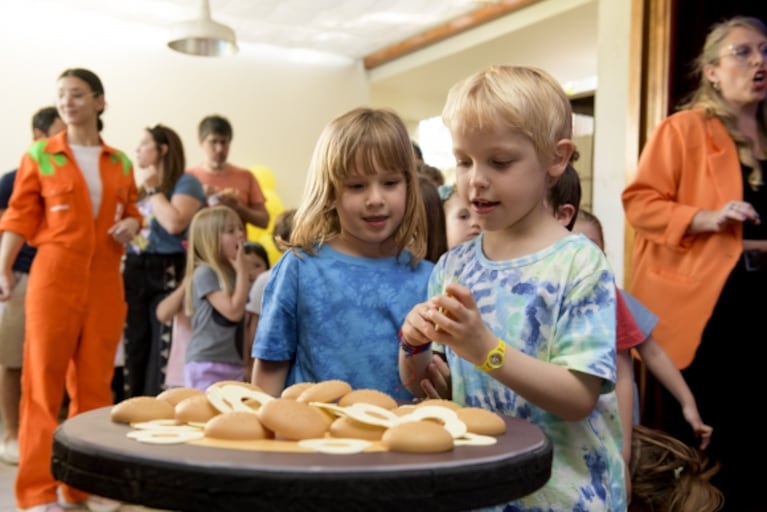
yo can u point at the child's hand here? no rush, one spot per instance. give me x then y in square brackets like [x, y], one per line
[700, 429]
[437, 381]
[457, 322]
[240, 262]
[417, 327]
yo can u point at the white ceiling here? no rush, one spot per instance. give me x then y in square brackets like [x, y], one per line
[349, 28]
[557, 35]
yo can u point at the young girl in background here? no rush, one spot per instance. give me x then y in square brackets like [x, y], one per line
[171, 309]
[460, 222]
[525, 311]
[217, 278]
[334, 303]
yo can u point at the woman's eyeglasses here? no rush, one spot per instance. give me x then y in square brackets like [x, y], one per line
[744, 52]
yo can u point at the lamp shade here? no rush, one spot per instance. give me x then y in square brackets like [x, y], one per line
[203, 36]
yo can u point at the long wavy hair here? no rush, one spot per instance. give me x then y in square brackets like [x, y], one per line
[362, 140]
[706, 97]
[172, 160]
[205, 233]
[669, 476]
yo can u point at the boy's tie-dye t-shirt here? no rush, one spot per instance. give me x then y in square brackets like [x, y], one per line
[557, 305]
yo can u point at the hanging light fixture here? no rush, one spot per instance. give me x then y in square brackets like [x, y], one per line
[203, 36]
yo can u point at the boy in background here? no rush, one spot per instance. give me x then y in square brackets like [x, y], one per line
[45, 123]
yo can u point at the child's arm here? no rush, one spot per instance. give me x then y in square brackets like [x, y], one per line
[251, 323]
[624, 390]
[454, 320]
[660, 365]
[171, 304]
[270, 375]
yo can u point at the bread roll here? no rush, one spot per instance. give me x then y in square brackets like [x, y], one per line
[236, 426]
[292, 420]
[418, 437]
[195, 409]
[141, 408]
[368, 396]
[175, 395]
[296, 389]
[481, 421]
[345, 426]
[325, 391]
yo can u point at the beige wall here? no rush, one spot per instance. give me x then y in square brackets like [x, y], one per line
[277, 106]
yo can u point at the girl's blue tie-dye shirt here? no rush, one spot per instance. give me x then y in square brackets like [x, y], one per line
[557, 305]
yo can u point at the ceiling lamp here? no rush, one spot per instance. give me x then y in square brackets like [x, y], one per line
[203, 36]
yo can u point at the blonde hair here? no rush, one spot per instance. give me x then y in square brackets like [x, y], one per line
[706, 97]
[525, 99]
[363, 141]
[669, 476]
[205, 231]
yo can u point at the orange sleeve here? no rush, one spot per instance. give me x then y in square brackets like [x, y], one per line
[25, 207]
[131, 209]
[651, 202]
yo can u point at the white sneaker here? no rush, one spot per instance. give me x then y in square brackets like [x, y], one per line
[10, 454]
[101, 504]
[93, 503]
[47, 507]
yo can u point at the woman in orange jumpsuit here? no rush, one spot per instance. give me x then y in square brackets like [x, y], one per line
[75, 200]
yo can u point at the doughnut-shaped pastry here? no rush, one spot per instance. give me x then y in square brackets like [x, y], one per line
[447, 417]
[438, 401]
[481, 421]
[236, 426]
[325, 391]
[368, 396]
[169, 425]
[292, 420]
[230, 397]
[195, 410]
[335, 446]
[362, 412]
[141, 408]
[246, 385]
[175, 395]
[418, 437]
[469, 439]
[165, 436]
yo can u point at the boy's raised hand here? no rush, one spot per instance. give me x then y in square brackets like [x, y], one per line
[457, 322]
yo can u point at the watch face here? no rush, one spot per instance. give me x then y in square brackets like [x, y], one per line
[496, 360]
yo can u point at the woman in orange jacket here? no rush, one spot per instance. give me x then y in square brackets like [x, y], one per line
[75, 200]
[700, 254]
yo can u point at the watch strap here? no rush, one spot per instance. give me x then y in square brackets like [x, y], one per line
[495, 358]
